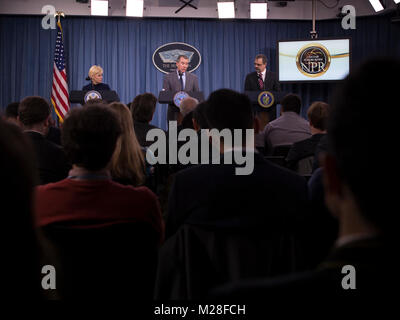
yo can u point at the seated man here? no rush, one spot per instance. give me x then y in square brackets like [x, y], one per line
[225, 223]
[227, 194]
[11, 113]
[187, 106]
[289, 128]
[317, 115]
[88, 196]
[34, 115]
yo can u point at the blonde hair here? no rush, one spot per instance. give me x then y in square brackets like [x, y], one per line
[95, 70]
[127, 161]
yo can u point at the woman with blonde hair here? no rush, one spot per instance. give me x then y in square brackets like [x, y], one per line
[96, 80]
[127, 163]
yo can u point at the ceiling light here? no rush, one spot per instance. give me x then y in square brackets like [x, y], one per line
[99, 8]
[377, 5]
[258, 10]
[134, 8]
[226, 10]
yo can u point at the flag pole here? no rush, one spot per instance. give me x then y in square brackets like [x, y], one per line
[59, 14]
[59, 94]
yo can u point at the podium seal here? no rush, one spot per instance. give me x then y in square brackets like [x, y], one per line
[266, 99]
[92, 94]
[179, 96]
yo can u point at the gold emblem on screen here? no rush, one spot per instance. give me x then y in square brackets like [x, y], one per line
[313, 60]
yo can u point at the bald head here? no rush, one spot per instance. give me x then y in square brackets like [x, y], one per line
[188, 105]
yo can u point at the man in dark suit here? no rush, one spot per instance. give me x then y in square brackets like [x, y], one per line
[222, 225]
[357, 192]
[179, 80]
[51, 162]
[217, 190]
[259, 80]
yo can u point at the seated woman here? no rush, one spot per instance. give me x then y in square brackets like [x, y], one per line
[96, 80]
[127, 163]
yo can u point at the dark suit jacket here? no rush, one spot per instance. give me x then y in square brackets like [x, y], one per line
[54, 135]
[302, 149]
[172, 83]
[270, 83]
[141, 129]
[205, 193]
[321, 147]
[100, 86]
[224, 227]
[50, 159]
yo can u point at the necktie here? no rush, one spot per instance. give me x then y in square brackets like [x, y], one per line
[260, 81]
[181, 79]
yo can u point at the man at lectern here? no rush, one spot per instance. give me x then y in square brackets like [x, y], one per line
[179, 80]
[96, 80]
[261, 79]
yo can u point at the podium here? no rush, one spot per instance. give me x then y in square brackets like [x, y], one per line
[77, 96]
[253, 96]
[168, 96]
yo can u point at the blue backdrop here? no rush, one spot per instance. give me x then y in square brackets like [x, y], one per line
[124, 48]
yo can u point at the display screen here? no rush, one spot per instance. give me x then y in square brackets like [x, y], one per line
[313, 60]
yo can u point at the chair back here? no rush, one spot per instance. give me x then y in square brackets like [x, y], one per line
[305, 166]
[116, 261]
[199, 258]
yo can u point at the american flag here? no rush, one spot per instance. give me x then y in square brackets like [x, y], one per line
[59, 92]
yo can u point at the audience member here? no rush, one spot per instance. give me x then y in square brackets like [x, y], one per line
[34, 115]
[11, 113]
[187, 105]
[20, 267]
[95, 101]
[54, 134]
[317, 115]
[226, 109]
[208, 202]
[289, 128]
[187, 122]
[322, 226]
[321, 148]
[127, 163]
[198, 117]
[143, 108]
[357, 193]
[88, 196]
